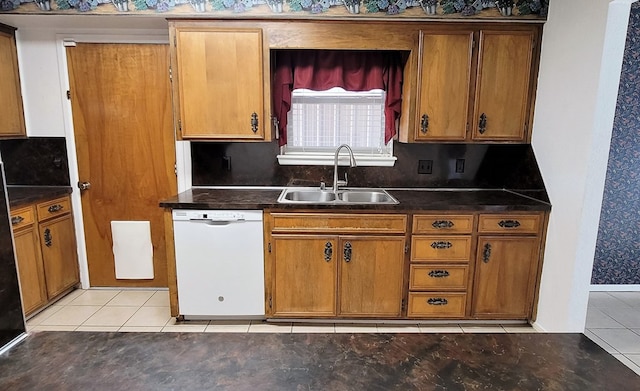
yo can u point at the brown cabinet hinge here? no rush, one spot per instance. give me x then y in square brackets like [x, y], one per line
[68, 94]
[270, 302]
[403, 305]
[406, 248]
[269, 246]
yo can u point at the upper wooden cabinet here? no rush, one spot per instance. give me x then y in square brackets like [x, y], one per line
[220, 82]
[475, 85]
[11, 111]
[503, 86]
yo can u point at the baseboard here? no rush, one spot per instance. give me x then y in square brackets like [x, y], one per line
[615, 288]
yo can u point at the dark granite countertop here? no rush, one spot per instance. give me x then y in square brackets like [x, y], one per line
[24, 195]
[410, 199]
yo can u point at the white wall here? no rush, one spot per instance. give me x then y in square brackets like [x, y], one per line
[582, 51]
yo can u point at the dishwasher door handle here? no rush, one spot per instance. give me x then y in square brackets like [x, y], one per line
[217, 223]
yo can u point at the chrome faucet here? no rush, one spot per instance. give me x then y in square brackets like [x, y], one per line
[352, 163]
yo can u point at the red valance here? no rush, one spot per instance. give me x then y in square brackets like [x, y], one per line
[320, 70]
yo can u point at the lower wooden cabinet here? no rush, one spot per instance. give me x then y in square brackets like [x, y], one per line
[46, 254]
[505, 276]
[30, 267]
[315, 273]
[58, 244]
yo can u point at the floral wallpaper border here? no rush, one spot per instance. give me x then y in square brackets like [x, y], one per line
[617, 256]
[453, 8]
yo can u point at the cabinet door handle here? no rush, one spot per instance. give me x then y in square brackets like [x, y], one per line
[437, 301]
[347, 252]
[328, 251]
[482, 125]
[438, 273]
[254, 122]
[424, 124]
[486, 253]
[17, 220]
[440, 224]
[509, 223]
[48, 239]
[55, 208]
[441, 245]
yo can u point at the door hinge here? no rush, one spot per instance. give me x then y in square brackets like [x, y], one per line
[270, 302]
[175, 40]
[175, 169]
[406, 248]
[467, 127]
[180, 126]
[170, 74]
[269, 246]
[473, 43]
[68, 94]
[403, 304]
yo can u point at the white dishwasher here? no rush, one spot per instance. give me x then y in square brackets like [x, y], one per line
[219, 263]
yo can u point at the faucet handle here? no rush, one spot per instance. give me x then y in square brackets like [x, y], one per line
[343, 182]
[322, 186]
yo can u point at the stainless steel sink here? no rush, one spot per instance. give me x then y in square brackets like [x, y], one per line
[312, 195]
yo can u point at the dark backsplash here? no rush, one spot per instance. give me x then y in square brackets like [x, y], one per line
[36, 161]
[492, 166]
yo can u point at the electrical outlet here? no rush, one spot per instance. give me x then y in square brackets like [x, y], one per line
[425, 166]
[459, 166]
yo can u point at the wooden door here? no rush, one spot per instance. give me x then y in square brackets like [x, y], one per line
[445, 76]
[219, 83]
[503, 85]
[58, 245]
[11, 112]
[304, 275]
[30, 269]
[370, 275]
[122, 117]
[505, 276]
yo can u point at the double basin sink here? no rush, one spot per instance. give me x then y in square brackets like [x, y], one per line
[314, 195]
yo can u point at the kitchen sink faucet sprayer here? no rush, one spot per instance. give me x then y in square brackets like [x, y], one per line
[352, 163]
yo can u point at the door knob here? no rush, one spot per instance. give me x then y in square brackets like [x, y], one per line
[84, 186]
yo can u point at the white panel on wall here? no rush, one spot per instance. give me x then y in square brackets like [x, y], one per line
[41, 90]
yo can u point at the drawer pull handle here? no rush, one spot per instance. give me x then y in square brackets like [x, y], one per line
[347, 252]
[328, 251]
[424, 124]
[509, 223]
[17, 220]
[55, 208]
[438, 273]
[437, 301]
[486, 253]
[441, 245]
[440, 224]
[48, 240]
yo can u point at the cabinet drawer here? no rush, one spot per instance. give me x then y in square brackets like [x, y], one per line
[439, 248]
[437, 305]
[54, 208]
[428, 224]
[438, 277]
[22, 217]
[510, 223]
[337, 222]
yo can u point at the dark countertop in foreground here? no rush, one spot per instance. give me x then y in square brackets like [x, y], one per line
[24, 195]
[415, 199]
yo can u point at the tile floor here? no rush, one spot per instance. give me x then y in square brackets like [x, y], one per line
[613, 322]
[148, 310]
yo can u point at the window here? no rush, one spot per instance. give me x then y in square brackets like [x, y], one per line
[319, 121]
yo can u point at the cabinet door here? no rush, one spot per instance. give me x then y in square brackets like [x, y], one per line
[304, 275]
[371, 270]
[11, 112]
[58, 244]
[30, 269]
[443, 96]
[219, 75]
[505, 277]
[503, 85]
